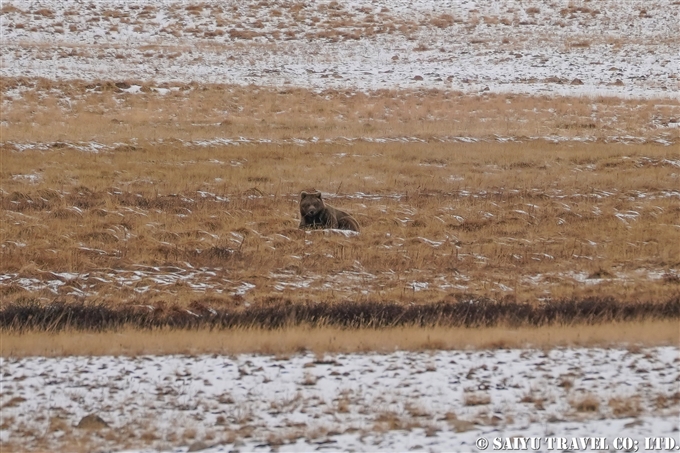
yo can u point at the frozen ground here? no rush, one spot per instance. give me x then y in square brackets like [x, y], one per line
[435, 400]
[609, 47]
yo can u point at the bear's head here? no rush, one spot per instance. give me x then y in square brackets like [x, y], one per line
[311, 204]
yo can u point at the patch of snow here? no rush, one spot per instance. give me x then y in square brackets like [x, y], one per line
[611, 50]
[96, 147]
[419, 286]
[243, 288]
[32, 178]
[360, 402]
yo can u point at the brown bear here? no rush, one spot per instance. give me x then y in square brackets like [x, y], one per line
[314, 213]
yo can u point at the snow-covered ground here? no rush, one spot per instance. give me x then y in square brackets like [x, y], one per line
[609, 47]
[430, 400]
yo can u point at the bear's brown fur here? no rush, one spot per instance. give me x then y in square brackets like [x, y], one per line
[314, 213]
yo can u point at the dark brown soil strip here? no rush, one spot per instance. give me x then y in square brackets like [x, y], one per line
[33, 316]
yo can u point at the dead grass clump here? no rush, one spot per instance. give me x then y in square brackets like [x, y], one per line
[235, 33]
[625, 407]
[566, 382]
[586, 403]
[443, 21]
[390, 421]
[457, 424]
[342, 404]
[572, 9]
[44, 12]
[417, 411]
[580, 44]
[148, 436]
[8, 8]
[665, 401]
[92, 422]
[195, 8]
[476, 399]
[309, 379]
[15, 401]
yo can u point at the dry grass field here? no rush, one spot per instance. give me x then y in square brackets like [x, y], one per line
[127, 112]
[328, 340]
[155, 200]
[515, 171]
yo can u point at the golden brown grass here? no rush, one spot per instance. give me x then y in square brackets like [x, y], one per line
[39, 110]
[166, 223]
[586, 403]
[332, 340]
[625, 407]
[149, 220]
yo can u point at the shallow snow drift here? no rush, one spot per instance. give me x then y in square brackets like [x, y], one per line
[435, 400]
[609, 47]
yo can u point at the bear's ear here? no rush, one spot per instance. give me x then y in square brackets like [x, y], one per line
[303, 194]
[318, 195]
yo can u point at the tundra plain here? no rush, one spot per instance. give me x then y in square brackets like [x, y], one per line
[217, 225]
[496, 155]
